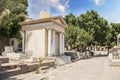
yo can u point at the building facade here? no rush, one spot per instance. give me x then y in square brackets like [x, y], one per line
[43, 37]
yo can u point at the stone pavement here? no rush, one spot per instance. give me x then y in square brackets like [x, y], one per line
[96, 68]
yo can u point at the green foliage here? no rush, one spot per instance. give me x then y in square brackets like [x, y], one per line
[40, 61]
[37, 71]
[87, 28]
[114, 30]
[74, 55]
[83, 38]
[12, 12]
[76, 38]
[70, 19]
[94, 25]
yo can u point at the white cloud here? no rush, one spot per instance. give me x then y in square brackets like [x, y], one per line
[60, 5]
[99, 2]
[35, 6]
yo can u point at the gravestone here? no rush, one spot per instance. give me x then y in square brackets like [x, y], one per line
[8, 49]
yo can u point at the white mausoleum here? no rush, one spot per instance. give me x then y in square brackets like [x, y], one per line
[43, 37]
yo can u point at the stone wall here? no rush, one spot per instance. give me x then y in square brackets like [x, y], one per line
[3, 42]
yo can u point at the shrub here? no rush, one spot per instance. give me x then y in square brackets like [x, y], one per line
[37, 71]
[40, 60]
[74, 56]
[91, 53]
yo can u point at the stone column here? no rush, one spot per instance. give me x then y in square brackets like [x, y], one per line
[63, 43]
[53, 43]
[49, 41]
[60, 44]
[23, 41]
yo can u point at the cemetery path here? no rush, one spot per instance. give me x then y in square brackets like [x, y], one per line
[96, 68]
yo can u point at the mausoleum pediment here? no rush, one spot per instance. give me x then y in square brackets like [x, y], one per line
[58, 20]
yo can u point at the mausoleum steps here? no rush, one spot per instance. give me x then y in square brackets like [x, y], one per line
[4, 59]
[8, 73]
[8, 66]
[44, 67]
[15, 67]
[62, 60]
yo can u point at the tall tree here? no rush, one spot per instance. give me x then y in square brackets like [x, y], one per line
[70, 19]
[12, 12]
[76, 38]
[95, 25]
[115, 30]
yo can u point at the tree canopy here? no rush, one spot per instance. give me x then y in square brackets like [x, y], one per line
[93, 27]
[76, 38]
[12, 12]
[114, 31]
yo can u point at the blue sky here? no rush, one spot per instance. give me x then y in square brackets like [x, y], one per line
[109, 9]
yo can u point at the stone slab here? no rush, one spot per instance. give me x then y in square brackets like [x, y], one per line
[4, 59]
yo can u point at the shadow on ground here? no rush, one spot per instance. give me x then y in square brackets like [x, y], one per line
[15, 78]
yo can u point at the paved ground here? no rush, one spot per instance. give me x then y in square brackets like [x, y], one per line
[96, 68]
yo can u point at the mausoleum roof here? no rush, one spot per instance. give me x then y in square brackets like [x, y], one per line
[51, 19]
